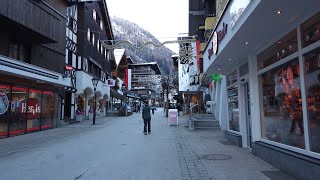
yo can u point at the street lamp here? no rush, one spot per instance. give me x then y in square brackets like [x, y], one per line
[166, 84]
[95, 83]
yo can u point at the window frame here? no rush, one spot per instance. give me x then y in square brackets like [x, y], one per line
[94, 14]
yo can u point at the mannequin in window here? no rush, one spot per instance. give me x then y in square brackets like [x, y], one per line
[314, 34]
[293, 103]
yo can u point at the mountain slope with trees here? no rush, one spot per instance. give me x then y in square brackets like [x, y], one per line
[126, 30]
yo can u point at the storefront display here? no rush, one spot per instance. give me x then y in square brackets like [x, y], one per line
[30, 110]
[311, 30]
[17, 123]
[33, 113]
[47, 110]
[279, 50]
[4, 109]
[312, 81]
[233, 109]
[282, 116]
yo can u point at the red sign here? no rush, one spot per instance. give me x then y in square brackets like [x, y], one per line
[68, 67]
[32, 111]
[198, 53]
[216, 39]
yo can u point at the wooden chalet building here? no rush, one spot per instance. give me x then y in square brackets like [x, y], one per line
[88, 25]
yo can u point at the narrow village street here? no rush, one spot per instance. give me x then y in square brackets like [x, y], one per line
[116, 149]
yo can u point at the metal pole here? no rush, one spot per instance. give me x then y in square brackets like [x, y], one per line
[167, 112]
[94, 108]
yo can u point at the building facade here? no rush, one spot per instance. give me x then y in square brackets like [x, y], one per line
[267, 100]
[32, 68]
[146, 81]
[120, 74]
[88, 29]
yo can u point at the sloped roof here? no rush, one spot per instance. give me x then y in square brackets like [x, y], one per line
[153, 65]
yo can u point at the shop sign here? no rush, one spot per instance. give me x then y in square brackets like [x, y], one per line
[216, 39]
[4, 102]
[110, 83]
[216, 77]
[32, 110]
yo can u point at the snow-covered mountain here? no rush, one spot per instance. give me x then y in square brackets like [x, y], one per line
[126, 30]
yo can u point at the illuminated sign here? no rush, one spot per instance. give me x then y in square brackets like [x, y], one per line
[110, 82]
[216, 39]
[31, 111]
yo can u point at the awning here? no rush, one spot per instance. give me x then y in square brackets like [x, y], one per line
[131, 96]
[116, 95]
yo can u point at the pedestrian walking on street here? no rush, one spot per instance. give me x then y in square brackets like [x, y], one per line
[146, 116]
[138, 108]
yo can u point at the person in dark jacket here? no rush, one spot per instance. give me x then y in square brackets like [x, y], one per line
[146, 116]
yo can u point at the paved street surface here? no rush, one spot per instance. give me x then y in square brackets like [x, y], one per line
[116, 149]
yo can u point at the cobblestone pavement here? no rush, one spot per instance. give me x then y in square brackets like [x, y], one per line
[191, 165]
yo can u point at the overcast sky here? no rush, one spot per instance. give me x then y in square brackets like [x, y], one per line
[165, 19]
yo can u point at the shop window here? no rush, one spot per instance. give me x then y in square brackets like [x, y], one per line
[4, 109]
[311, 30]
[81, 104]
[232, 78]
[233, 108]
[19, 111]
[312, 82]
[47, 110]
[19, 51]
[281, 111]
[279, 50]
[34, 109]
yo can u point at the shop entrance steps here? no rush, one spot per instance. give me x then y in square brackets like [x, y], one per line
[203, 121]
[72, 121]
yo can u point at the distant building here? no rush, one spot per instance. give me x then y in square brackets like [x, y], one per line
[145, 82]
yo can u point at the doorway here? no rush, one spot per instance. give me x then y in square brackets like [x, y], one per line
[247, 113]
[67, 105]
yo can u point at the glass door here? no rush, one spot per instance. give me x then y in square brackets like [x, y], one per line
[248, 113]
